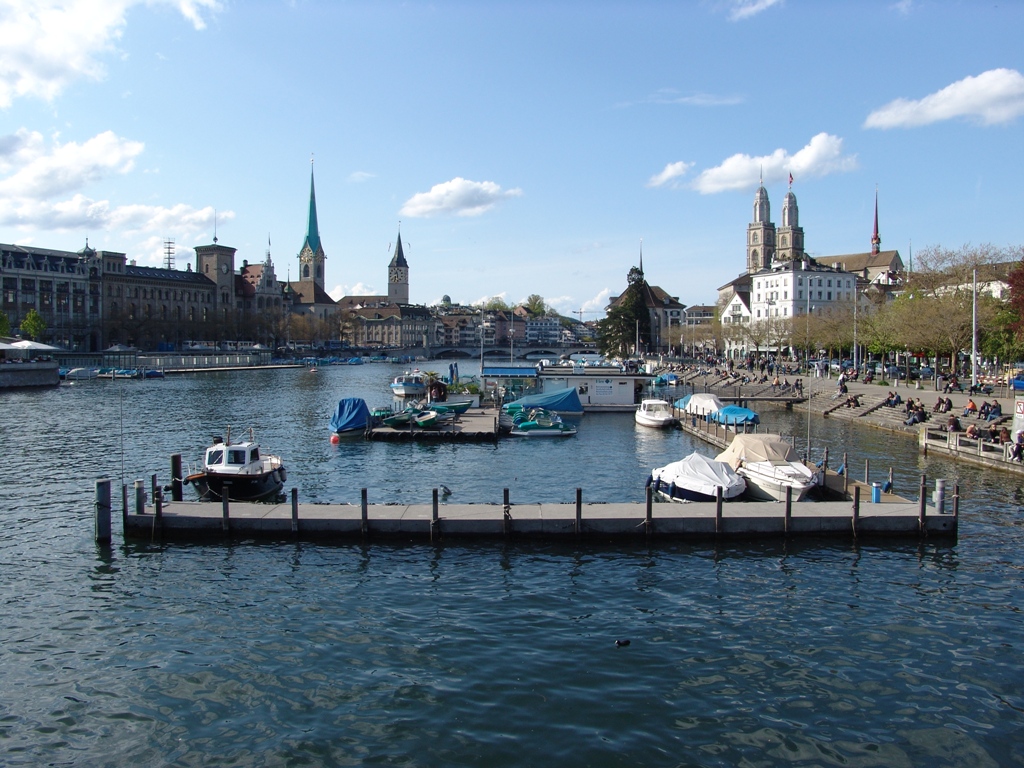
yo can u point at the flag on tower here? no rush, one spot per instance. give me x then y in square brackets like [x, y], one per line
[791, 179]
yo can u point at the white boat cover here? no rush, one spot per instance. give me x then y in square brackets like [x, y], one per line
[746, 449]
[700, 474]
[703, 403]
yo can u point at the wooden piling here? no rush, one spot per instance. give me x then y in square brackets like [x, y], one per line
[365, 511]
[433, 514]
[102, 511]
[225, 522]
[506, 512]
[923, 501]
[956, 503]
[176, 477]
[892, 487]
[846, 474]
[856, 509]
[789, 509]
[648, 519]
[867, 471]
[158, 499]
[140, 497]
[124, 505]
[579, 511]
[718, 509]
[295, 510]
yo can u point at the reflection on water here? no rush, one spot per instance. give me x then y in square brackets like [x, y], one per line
[760, 653]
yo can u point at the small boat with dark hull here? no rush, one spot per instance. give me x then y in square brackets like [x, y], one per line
[239, 471]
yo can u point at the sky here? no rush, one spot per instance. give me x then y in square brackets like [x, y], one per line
[532, 147]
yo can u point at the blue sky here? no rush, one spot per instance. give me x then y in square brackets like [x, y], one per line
[525, 147]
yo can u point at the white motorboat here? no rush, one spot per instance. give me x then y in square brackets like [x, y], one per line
[239, 471]
[696, 478]
[655, 413]
[409, 385]
[770, 465]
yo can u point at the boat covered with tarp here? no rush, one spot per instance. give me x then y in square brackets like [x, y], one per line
[734, 415]
[352, 416]
[565, 401]
[699, 404]
[770, 465]
[696, 478]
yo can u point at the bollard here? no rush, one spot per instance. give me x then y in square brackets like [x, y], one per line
[856, 509]
[579, 510]
[940, 496]
[365, 525]
[295, 510]
[225, 522]
[718, 509]
[140, 498]
[176, 477]
[789, 509]
[922, 499]
[102, 511]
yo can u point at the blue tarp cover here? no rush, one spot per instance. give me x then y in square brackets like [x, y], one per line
[682, 401]
[560, 401]
[734, 414]
[350, 414]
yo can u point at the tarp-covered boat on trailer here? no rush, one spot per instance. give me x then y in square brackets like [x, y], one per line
[351, 416]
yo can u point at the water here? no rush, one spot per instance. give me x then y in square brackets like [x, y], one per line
[756, 654]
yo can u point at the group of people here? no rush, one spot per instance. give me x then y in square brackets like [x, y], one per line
[943, 405]
[892, 400]
[915, 412]
[988, 411]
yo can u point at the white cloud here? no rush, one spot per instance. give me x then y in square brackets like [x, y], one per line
[596, 304]
[669, 173]
[903, 7]
[48, 44]
[459, 196]
[37, 179]
[340, 291]
[359, 176]
[822, 156]
[744, 9]
[996, 96]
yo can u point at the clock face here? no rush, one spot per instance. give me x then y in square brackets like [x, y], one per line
[224, 268]
[394, 275]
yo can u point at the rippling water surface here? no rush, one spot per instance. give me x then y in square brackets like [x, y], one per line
[797, 653]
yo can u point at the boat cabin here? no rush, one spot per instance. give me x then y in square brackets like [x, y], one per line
[232, 459]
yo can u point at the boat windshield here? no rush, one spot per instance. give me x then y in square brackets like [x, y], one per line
[215, 456]
[236, 456]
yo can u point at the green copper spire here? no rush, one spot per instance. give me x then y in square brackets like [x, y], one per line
[312, 229]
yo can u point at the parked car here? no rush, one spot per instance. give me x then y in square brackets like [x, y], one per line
[927, 372]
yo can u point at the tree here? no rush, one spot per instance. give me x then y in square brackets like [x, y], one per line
[497, 303]
[5, 324]
[535, 305]
[628, 323]
[33, 325]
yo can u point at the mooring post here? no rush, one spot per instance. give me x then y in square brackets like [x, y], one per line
[140, 497]
[176, 477]
[824, 461]
[867, 471]
[579, 510]
[365, 525]
[102, 512]
[225, 523]
[648, 519]
[956, 503]
[124, 506]
[846, 475]
[295, 510]
[506, 512]
[940, 496]
[158, 499]
[856, 509]
[789, 509]
[433, 514]
[891, 488]
[718, 509]
[923, 502]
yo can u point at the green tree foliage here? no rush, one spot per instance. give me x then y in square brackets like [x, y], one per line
[33, 325]
[628, 321]
[497, 303]
[535, 305]
[5, 324]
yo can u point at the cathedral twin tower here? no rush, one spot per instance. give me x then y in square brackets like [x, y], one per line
[765, 243]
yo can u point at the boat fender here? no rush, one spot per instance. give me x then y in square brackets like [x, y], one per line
[648, 483]
[657, 485]
[621, 643]
[284, 475]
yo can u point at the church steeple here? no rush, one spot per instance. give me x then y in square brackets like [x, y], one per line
[398, 274]
[311, 255]
[760, 233]
[876, 240]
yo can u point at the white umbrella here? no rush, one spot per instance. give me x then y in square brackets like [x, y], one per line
[36, 345]
[4, 346]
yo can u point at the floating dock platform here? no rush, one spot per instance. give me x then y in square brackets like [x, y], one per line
[891, 516]
[473, 426]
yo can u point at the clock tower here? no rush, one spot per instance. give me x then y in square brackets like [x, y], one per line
[217, 262]
[398, 275]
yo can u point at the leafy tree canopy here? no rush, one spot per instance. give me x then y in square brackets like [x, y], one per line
[33, 325]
